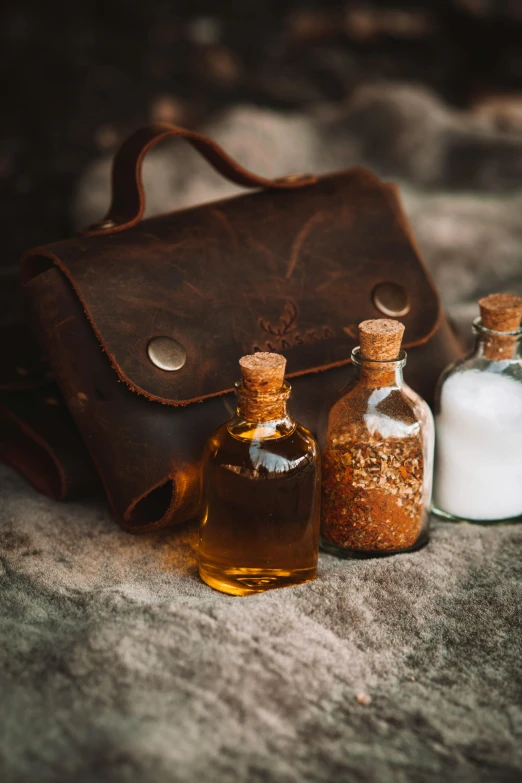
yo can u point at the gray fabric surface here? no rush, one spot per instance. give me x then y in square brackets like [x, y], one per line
[119, 665]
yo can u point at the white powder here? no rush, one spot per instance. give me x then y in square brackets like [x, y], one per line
[478, 473]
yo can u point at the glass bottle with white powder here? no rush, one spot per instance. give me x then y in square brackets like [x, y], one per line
[478, 418]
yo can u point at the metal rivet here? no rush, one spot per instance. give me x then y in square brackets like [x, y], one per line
[391, 299]
[166, 353]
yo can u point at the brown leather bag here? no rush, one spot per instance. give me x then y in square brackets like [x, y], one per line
[292, 267]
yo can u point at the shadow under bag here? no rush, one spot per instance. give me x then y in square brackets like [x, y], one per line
[142, 323]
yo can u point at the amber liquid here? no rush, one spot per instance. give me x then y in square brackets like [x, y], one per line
[260, 525]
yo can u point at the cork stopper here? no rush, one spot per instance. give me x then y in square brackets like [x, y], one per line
[263, 372]
[501, 312]
[380, 339]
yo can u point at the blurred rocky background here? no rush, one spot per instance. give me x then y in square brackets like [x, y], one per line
[426, 93]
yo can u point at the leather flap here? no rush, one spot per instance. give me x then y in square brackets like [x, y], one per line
[292, 272]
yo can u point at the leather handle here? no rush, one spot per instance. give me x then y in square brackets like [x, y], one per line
[128, 195]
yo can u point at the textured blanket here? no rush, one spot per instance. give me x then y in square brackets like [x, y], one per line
[118, 664]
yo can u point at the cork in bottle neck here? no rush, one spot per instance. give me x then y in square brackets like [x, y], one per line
[380, 355]
[263, 393]
[380, 339]
[501, 312]
[500, 316]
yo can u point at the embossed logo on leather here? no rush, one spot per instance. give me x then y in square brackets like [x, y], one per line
[284, 334]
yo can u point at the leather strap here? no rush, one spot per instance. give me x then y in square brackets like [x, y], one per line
[128, 196]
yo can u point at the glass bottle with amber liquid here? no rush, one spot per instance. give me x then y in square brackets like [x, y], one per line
[261, 489]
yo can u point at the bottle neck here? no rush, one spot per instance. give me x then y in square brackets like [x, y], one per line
[379, 374]
[262, 406]
[497, 346]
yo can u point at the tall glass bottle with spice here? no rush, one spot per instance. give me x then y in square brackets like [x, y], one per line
[377, 454]
[478, 415]
[261, 489]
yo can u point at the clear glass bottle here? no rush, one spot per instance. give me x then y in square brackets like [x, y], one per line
[478, 417]
[377, 454]
[261, 488]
